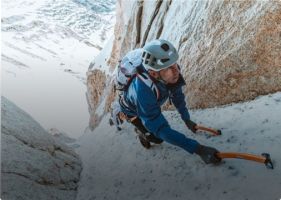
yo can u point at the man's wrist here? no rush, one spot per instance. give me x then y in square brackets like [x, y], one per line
[191, 125]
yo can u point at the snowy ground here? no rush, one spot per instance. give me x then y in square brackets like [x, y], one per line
[116, 166]
[47, 47]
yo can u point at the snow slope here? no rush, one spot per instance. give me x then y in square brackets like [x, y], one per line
[116, 166]
[47, 47]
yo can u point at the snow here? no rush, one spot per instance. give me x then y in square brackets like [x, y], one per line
[47, 47]
[100, 61]
[116, 166]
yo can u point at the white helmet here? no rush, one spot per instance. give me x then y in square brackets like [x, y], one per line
[159, 54]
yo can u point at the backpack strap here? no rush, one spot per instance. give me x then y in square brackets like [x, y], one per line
[144, 77]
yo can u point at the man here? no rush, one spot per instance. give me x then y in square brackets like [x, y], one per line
[142, 104]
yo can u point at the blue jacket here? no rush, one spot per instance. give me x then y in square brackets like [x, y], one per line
[142, 102]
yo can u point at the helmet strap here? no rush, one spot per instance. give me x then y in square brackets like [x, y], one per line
[161, 79]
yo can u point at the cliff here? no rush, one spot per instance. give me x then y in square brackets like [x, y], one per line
[34, 165]
[229, 50]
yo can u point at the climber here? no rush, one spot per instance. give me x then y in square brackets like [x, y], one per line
[158, 78]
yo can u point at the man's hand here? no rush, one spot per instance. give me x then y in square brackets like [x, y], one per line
[208, 154]
[191, 125]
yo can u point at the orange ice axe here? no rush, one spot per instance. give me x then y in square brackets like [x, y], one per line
[210, 130]
[264, 158]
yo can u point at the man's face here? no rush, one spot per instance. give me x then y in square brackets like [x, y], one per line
[171, 74]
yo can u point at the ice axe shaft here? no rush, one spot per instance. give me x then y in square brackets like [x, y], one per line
[244, 156]
[212, 131]
[264, 158]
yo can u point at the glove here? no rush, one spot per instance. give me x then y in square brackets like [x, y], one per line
[208, 154]
[191, 125]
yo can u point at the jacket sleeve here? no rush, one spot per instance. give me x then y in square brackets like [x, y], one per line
[178, 100]
[149, 112]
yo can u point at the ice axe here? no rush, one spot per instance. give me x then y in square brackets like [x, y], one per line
[264, 158]
[210, 130]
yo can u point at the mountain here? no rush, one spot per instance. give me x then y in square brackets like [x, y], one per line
[47, 47]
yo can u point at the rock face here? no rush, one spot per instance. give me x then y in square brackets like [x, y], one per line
[229, 50]
[33, 164]
[96, 82]
[61, 136]
[96, 85]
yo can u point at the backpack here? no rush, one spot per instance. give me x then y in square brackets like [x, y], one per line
[128, 68]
